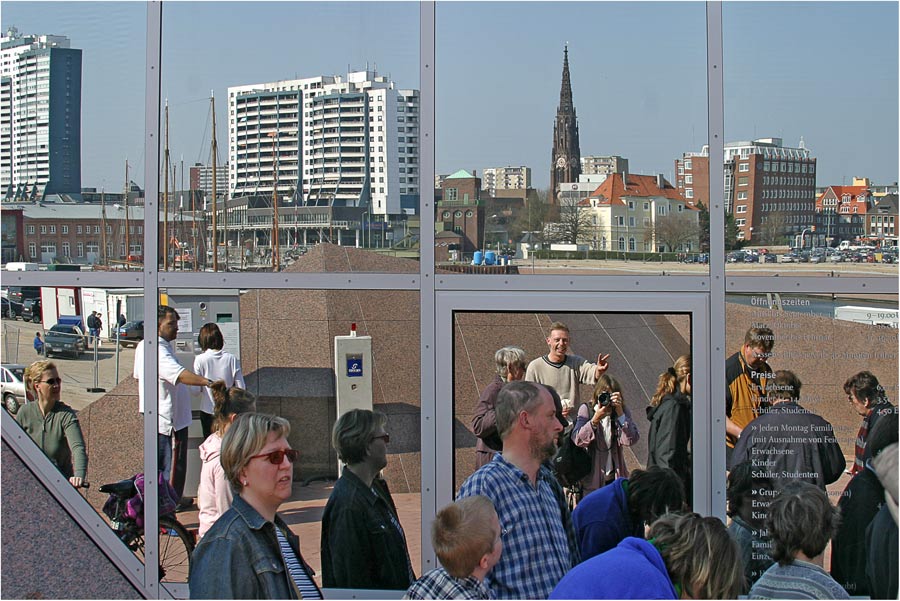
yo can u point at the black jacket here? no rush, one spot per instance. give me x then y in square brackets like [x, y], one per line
[363, 545]
[670, 436]
[859, 503]
[785, 443]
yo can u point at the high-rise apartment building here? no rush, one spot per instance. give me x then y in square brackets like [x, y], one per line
[603, 165]
[201, 177]
[769, 188]
[40, 116]
[505, 178]
[340, 141]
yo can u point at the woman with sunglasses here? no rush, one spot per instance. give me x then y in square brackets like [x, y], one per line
[52, 424]
[249, 552]
[363, 543]
[214, 492]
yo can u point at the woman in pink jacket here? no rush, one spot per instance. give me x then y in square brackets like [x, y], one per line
[214, 492]
[603, 427]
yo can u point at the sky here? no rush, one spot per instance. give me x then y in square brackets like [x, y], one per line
[823, 71]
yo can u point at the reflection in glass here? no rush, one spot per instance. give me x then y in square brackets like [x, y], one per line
[609, 201]
[289, 160]
[802, 349]
[285, 342]
[794, 195]
[72, 102]
[640, 347]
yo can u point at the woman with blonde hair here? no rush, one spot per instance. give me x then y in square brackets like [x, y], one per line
[214, 493]
[250, 553]
[603, 427]
[669, 415]
[51, 424]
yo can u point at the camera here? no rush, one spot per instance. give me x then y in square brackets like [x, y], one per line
[604, 398]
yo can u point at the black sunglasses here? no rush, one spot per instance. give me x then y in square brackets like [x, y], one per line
[52, 381]
[276, 457]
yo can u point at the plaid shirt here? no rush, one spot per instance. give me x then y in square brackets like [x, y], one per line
[438, 584]
[539, 544]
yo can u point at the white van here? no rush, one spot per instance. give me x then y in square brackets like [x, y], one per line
[18, 266]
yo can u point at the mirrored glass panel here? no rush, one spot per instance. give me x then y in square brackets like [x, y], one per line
[574, 157]
[83, 340]
[281, 149]
[810, 190]
[797, 359]
[308, 356]
[638, 350]
[72, 145]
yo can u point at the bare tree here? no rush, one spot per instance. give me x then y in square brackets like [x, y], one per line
[575, 223]
[773, 229]
[674, 230]
[532, 218]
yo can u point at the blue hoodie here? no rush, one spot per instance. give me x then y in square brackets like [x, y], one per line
[633, 570]
[602, 519]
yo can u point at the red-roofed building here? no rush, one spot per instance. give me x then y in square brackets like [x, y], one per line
[641, 213]
[841, 213]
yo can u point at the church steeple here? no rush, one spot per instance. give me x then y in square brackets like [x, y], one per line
[565, 159]
[565, 90]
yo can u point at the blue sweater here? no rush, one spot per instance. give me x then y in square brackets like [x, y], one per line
[633, 570]
[602, 519]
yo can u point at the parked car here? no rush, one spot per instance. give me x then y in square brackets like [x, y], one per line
[10, 309]
[791, 257]
[12, 385]
[751, 257]
[736, 256]
[64, 339]
[131, 333]
[837, 257]
[18, 294]
[32, 310]
[770, 258]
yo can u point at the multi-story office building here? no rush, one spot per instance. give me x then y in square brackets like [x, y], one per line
[841, 214]
[340, 141]
[769, 188]
[603, 165]
[40, 116]
[505, 178]
[201, 178]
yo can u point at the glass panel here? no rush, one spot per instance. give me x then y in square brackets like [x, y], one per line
[73, 113]
[806, 187]
[824, 340]
[339, 132]
[641, 347]
[614, 197]
[96, 375]
[285, 341]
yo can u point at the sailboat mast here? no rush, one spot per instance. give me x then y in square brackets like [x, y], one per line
[104, 258]
[166, 196]
[214, 151]
[127, 225]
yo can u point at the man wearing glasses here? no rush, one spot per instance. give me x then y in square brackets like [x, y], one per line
[746, 373]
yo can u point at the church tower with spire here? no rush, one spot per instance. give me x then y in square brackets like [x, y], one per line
[565, 157]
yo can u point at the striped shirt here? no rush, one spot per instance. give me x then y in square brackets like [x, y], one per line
[797, 580]
[297, 571]
[539, 544]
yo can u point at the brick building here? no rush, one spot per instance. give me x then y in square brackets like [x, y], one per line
[841, 214]
[769, 188]
[459, 208]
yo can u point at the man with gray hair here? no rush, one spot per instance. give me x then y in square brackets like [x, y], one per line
[539, 544]
[510, 362]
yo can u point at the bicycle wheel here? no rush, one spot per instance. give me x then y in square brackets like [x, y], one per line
[175, 548]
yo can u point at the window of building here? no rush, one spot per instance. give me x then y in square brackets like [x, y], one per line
[740, 222]
[65, 230]
[630, 205]
[30, 229]
[646, 206]
[620, 220]
[689, 179]
[43, 229]
[53, 229]
[79, 249]
[32, 250]
[740, 209]
[744, 167]
[631, 222]
[688, 164]
[743, 181]
[661, 210]
[66, 249]
[742, 195]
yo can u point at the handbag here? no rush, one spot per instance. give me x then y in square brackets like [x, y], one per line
[571, 462]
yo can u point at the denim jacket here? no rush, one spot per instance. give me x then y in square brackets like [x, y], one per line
[239, 558]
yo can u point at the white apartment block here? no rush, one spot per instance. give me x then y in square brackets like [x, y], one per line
[202, 179]
[505, 178]
[40, 115]
[603, 165]
[341, 141]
